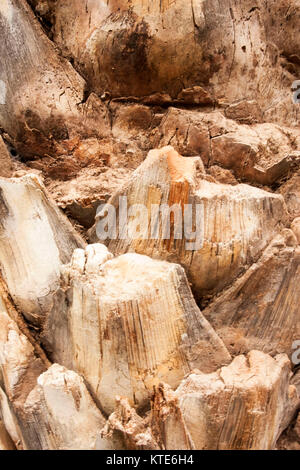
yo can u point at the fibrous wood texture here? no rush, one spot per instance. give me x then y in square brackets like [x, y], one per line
[5, 440]
[261, 153]
[35, 240]
[42, 98]
[61, 413]
[137, 48]
[141, 325]
[167, 131]
[246, 390]
[261, 309]
[41, 407]
[233, 223]
[202, 413]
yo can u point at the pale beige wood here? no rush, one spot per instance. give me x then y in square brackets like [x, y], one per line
[245, 405]
[234, 223]
[261, 309]
[42, 409]
[5, 441]
[36, 239]
[60, 412]
[130, 322]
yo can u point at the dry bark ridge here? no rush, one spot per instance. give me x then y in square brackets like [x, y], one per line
[21, 360]
[245, 405]
[141, 326]
[5, 441]
[41, 95]
[166, 420]
[35, 240]
[244, 54]
[258, 154]
[61, 413]
[261, 309]
[83, 107]
[10, 421]
[70, 128]
[39, 408]
[125, 429]
[235, 222]
[261, 153]
[256, 390]
[19, 369]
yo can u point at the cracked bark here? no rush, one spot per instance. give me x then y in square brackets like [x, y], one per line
[87, 89]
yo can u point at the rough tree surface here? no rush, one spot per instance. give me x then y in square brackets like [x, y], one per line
[178, 326]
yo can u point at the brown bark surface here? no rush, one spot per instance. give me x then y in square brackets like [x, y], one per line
[133, 342]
